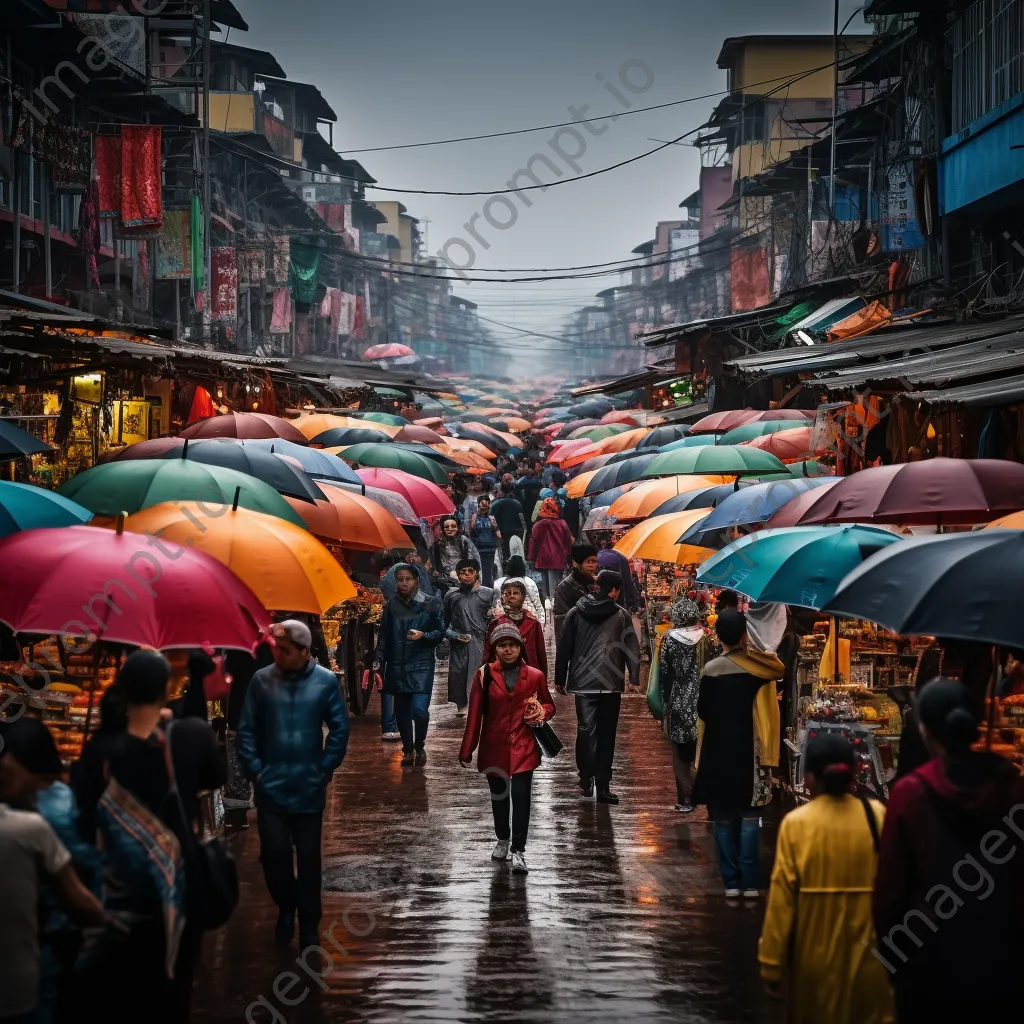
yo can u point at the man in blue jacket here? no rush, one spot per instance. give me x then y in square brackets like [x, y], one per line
[281, 745]
[412, 625]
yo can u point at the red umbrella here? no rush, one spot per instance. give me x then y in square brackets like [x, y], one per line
[722, 422]
[787, 445]
[936, 492]
[790, 513]
[422, 434]
[621, 416]
[426, 498]
[125, 588]
[388, 352]
[245, 425]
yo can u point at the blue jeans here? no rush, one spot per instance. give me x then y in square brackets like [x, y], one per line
[388, 722]
[413, 713]
[738, 839]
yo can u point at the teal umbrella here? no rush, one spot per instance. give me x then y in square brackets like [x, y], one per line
[724, 459]
[751, 431]
[24, 507]
[797, 565]
[128, 487]
[386, 417]
[697, 441]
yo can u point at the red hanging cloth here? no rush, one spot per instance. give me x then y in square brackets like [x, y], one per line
[142, 201]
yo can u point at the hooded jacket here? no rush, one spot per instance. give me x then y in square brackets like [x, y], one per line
[550, 543]
[407, 666]
[949, 896]
[597, 647]
[280, 737]
[567, 594]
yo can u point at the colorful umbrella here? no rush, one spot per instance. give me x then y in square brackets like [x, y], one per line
[318, 464]
[656, 539]
[703, 497]
[475, 464]
[620, 473]
[599, 433]
[690, 441]
[752, 431]
[316, 423]
[130, 486]
[356, 521]
[387, 418]
[155, 448]
[423, 435]
[431, 422]
[799, 566]
[566, 449]
[643, 499]
[16, 443]
[243, 425]
[577, 486]
[285, 566]
[388, 352]
[495, 442]
[427, 498]
[630, 417]
[465, 444]
[790, 513]
[932, 493]
[733, 459]
[566, 429]
[344, 436]
[78, 581]
[609, 446]
[786, 445]
[607, 498]
[389, 456]
[723, 422]
[961, 586]
[24, 507]
[663, 435]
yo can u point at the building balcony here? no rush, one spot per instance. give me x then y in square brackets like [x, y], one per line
[242, 113]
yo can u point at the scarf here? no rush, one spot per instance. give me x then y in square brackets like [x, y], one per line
[549, 509]
[767, 720]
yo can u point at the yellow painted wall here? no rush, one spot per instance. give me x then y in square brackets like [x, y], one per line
[231, 111]
[405, 237]
[390, 210]
[762, 61]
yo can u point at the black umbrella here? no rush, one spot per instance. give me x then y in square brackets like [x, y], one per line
[285, 478]
[664, 435]
[496, 444]
[617, 473]
[16, 443]
[629, 453]
[566, 429]
[342, 437]
[594, 407]
[960, 586]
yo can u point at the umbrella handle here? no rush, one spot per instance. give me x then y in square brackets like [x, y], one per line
[238, 494]
[121, 516]
[184, 450]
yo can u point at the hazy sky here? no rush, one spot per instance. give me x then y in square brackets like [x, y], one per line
[408, 71]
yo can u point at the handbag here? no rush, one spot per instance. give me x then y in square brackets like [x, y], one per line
[211, 874]
[547, 740]
[655, 701]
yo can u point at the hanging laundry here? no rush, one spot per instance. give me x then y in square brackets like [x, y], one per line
[202, 405]
[359, 319]
[252, 265]
[305, 267]
[142, 203]
[108, 174]
[281, 321]
[331, 308]
[224, 281]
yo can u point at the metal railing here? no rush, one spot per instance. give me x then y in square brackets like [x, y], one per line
[987, 44]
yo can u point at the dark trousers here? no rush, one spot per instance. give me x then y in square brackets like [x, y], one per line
[597, 719]
[486, 566]
[510, 799]
[412, 710]
[290, 855]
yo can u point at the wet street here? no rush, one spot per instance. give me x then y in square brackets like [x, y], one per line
[621, 918]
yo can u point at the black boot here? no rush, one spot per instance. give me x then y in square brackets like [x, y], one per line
[284, 931]
[587, 787]
[606, 796]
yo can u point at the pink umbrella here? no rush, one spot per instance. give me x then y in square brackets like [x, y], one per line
[790, 513]
[722, 422]
[426, 498]
[245, 425]
[418, 433]
[125, 588]
[388, 352]
[621, 416]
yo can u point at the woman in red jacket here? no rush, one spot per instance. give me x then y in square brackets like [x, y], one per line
[550, 544]
[507, 699]
[513, 600]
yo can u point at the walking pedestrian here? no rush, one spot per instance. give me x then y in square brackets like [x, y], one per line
[513, 609]
[465, 612]
[682, 656]
[515, 569]
[510, 516]
[739, 744]
[281, 745]
[483, 532]
[609, 558]
[579, 583]
[449, 549]
[817, 938]
[135, 778]
[507, 700]
[412, 625]
[550, 545]
[949, 897]
[598, 647]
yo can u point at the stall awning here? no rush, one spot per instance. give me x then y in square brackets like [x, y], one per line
[732, 322]
[646, 377]
[985, 395]
[826, 316]
[684, 413]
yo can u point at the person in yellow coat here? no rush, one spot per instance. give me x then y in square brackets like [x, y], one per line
[817, 942]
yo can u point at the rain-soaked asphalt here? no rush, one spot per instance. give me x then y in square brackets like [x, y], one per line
[620, 919]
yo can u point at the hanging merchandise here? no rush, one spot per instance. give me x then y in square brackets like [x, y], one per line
[252, 265]
[331, 308]
[174, 247]
[142, 204]
[140, 277]
[304, 268]
[301, 335]
[282, 258]
[202, 405]
[359, 319]
[224, 282]
[89, 233]
[69, 153]
[198, 241]
[281, 321]
[346, 313]
[108, 174]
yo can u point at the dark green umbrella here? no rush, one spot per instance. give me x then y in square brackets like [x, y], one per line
[392, 456]
[664, 435]
[16, 443]
[385, 417]
[724, 459]
[618, 473]
[128, 487]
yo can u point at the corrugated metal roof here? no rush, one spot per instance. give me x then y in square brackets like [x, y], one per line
[831, 313]
[629, 381]
[664, 335]
[987, 394]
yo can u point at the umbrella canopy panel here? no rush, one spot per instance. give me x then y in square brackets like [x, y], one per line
[243, 425]
[24, 507]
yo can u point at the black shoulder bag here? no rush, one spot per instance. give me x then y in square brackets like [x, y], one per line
[211, 874]
[548, 743]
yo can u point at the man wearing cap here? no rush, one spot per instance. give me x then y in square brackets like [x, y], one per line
[281, 745]
[465, 611]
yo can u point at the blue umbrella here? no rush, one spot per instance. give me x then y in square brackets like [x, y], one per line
[16, 443]
[749, 505]
[316, 463]
[797, 565]
[697, 441]
[24, 507]
[610, 497]
[705, 497]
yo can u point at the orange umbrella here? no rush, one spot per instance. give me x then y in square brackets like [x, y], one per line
[473, 462]
[621, 416]
[609, 446]
[788, 445]
[577, 486]
[657, 539]
[285, 566]
[516, 423]
[434, 422]
[352, 521]
[565, 450]
[1014, 521]
[511, 439]
[316, 423]
[465, 444]
[643, 499]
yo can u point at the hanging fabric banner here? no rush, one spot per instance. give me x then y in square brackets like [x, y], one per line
[108, 174]
[142, 203]
[252, 265]
[198, 244]
[281, 321]
[174, 247]
[224, 279]
[305, 266]
[346, 313]
[282, 258]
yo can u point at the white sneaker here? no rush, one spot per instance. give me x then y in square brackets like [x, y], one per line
[460, 712]
[500, 851]
[751, 894]
[732, 894]
[519, 864]
[391, 737]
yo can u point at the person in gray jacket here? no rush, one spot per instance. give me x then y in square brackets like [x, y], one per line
[598, 647]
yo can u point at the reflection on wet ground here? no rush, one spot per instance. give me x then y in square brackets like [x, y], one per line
[620, 919]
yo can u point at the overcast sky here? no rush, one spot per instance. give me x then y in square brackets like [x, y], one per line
[408, 71]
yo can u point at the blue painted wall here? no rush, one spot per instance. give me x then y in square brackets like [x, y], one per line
[979, 161]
